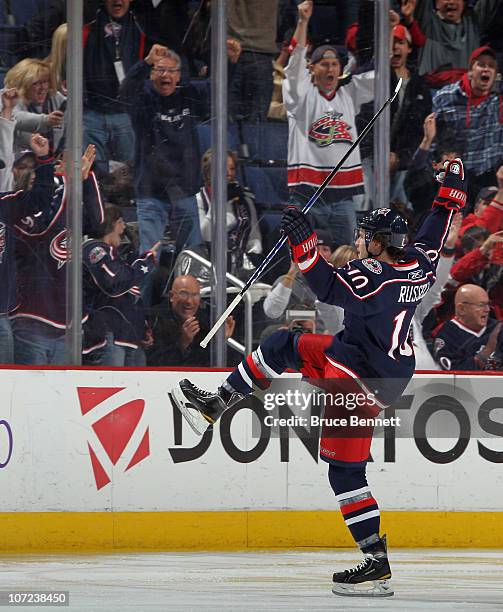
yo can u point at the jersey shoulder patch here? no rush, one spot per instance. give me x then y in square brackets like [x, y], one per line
[373, 265]
[96, 254]
[360, 278]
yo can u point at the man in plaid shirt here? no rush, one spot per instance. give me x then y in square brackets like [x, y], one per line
[470, 110]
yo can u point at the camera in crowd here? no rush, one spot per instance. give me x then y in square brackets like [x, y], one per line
[301, 321]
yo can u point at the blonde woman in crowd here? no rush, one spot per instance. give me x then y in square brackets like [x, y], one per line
[57, 59]
[40, 108]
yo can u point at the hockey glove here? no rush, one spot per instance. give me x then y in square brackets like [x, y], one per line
[452, 193]
[302, 239]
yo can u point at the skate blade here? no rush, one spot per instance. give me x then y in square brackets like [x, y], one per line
[376, 588]
[193, 417]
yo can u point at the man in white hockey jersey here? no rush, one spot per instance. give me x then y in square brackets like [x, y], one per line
[321, 119]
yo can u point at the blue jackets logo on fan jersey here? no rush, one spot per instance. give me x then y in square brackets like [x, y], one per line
[58, 248]
[329, 129]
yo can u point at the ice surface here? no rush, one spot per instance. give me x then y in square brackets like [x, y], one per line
[424, 579]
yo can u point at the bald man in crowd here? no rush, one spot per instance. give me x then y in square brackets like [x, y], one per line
[179, 329]
[471, 340]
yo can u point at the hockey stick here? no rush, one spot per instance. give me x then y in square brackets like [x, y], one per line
[305, 210]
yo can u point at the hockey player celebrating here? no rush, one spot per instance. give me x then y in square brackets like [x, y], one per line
[379, 292]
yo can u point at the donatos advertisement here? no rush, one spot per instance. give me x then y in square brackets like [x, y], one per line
[99, 441]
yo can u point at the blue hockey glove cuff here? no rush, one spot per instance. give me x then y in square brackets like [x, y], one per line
[452, 193]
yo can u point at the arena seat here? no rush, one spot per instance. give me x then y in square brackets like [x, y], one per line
[204, 133]
[266, 141]
[24, 10]
[264, 162]
[10, 37]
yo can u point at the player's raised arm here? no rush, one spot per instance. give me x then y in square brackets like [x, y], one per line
[450, 198]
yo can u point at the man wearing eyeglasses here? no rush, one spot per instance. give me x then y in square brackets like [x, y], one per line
[471, 340]
[165, 115]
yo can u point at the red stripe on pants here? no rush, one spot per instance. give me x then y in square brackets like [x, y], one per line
[340, 443]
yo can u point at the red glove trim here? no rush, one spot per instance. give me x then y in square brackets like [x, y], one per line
[450, 198]
[305, 254]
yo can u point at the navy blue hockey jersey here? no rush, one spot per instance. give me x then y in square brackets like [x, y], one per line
[456, 346]
[14, 205]
[112, 297]
[43, 252]
[379, 301]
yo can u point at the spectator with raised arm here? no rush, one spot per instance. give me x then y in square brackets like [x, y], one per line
[14, 206]
[39, 108]
[473, 111]
[39, 320]
[166, 171]
[321, 110]
[420, 184]
[450, 31]
[9, 98]
[488, 208]
[484, 264]
[117, 331]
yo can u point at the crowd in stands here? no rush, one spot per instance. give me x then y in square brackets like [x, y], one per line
[300, 90]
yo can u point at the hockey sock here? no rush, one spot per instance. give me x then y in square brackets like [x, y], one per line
[268, 361]
[252, 371]
[359, 509]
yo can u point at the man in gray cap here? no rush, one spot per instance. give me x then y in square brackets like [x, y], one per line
[321, 116]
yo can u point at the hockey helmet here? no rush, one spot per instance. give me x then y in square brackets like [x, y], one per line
[385, 222]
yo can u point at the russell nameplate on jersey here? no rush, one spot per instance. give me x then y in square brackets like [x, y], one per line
[414, 293]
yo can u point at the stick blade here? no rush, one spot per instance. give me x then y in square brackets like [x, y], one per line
[398, 87]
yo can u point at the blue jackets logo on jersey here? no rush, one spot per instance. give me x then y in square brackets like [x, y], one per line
[58, 248]
[329, 129]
